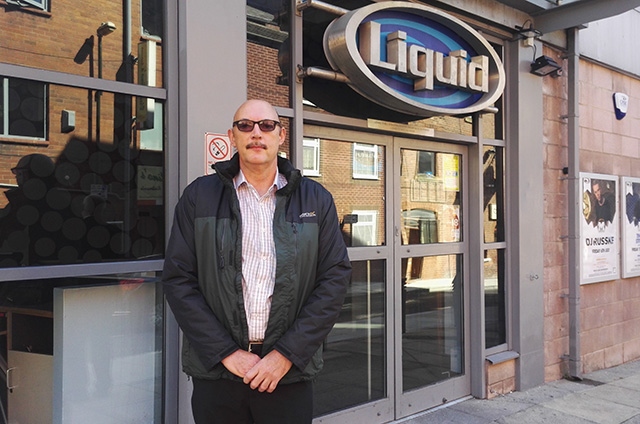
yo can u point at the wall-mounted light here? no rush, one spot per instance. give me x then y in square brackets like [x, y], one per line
[105, 28]
[544, 65]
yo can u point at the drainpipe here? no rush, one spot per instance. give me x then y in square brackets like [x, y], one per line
[575, 205]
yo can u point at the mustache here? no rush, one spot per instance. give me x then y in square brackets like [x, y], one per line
[252, 145]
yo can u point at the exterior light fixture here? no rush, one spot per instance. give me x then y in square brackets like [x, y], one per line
[544, 65]
[105, 28]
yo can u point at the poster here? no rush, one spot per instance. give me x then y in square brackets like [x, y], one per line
[600, 228]
[630, 227]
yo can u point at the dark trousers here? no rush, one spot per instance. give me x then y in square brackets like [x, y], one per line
[232, 402]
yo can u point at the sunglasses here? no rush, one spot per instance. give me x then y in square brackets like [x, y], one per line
[266, 125]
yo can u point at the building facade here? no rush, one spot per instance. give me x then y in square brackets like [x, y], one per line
[488, 210]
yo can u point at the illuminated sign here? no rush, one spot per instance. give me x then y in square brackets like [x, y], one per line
[415, 59]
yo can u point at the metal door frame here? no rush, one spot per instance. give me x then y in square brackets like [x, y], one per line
[397, 404]
[439, 393]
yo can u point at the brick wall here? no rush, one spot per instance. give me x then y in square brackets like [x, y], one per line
[609, 311]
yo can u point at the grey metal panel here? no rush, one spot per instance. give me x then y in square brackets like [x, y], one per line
[581, 12]
[213, 79]
[79, 270]
[610, 41]
[70, 80]
[211, 65]
[525, 215]
[527, 6]
[475, 279]
[171, 348]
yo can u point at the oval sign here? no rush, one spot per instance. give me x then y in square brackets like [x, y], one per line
[415, 59]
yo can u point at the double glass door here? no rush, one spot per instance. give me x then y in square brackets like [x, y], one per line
[399, 346]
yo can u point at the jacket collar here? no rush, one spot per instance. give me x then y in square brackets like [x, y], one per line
[230, 168]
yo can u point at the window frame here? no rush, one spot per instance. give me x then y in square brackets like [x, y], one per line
[5, 112]
[42, 4]
[360, 225]
[356, 165]
[312, 143]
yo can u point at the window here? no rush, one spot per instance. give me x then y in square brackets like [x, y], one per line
[495, 284]
[311, 157]
[76, 201]
[426, 164]
[365, 161]
[364, 231]
[495, 313]
[40, 4]
[152, 17]
[22, 108]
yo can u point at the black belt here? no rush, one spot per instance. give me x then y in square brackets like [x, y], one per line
[256, 348]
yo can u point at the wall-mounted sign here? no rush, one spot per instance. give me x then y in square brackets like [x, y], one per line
[600, 229]
[415, 59]
[217, 148]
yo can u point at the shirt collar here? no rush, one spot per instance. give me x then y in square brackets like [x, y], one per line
[279, 180]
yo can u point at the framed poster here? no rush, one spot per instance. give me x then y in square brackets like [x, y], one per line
[599, 240]
[630, 198]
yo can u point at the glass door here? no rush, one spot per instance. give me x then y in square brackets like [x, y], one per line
[429, 283]
[399, 345]
[357, 374]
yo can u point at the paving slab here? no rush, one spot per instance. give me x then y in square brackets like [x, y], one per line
[491, 409]
[632, 382]
[540, 414]
[593, 409]
[617, 394]
[446, 416]
[634, 420]
[540, 394]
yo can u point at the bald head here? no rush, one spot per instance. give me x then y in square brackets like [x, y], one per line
[256, 107]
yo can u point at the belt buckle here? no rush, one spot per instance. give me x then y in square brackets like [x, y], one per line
[252, 344]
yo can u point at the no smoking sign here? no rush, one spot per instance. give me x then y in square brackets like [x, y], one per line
[218, 148]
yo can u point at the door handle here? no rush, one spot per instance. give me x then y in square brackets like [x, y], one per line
[10, 373]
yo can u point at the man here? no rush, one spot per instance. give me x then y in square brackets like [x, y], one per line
[256, 271]
[605, 208]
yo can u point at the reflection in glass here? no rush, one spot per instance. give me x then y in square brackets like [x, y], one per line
[360, 201]
[69, 39]
[354, 353]
[79, 199]
[494, 298]
[26, 101]
[493, 193]
[268, 51]
[432, 324]
[430, 185]
[491, 125]
[92, 345]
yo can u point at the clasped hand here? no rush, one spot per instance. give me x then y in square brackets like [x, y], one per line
[262, 374]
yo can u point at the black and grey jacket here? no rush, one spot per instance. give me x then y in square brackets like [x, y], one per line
[202, 273]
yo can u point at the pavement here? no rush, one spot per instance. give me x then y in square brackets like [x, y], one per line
[610, 396]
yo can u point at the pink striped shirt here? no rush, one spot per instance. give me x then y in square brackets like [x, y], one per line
[258, 252]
